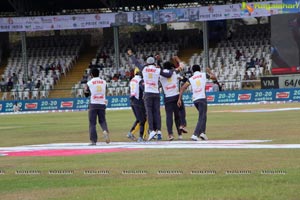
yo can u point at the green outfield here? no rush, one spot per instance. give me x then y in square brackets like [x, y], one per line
[167, 174]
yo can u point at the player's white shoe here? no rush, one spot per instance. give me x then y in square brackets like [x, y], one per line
[203, 136]
[151, 135]
[194, 138]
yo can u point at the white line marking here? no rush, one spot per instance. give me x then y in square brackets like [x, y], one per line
[211, 144]
[257, 110]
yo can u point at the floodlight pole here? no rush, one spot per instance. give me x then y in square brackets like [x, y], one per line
[205, 46]
[116, 46]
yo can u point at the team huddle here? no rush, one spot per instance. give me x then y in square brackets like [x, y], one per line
[145, 100]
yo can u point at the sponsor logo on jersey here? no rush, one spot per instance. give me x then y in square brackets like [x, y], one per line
[169, 87]
[151, 83]
[197, 76]
[134, 80]
[98, 97]
[150, 70]
[198, 90]
[97, 82]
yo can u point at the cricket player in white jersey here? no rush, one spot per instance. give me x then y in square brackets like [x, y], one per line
[137, 104]
[151, 74]
[96, 89]
[198, 82]
[171, 94]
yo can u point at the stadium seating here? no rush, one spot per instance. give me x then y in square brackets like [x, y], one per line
[52, 57]
[48, 59]
[254, 44]
[104, 62]
[229, 69]
[166, 44]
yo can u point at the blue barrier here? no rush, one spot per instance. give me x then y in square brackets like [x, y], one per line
[226, 97]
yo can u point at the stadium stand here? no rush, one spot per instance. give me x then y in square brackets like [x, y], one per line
[63, 87]
[248, 51]
[230, 60]
[234, 60]
[118, 79]
[48, 59]
[164, 43]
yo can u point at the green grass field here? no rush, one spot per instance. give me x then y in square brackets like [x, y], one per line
[282, 180]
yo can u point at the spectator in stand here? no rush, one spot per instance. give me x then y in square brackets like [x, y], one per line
[10, 84]
[238, 54]
[58, 67]
[40, 68]
[188, 73]
[29, 85]
[222, 87]
[216, 86]
[3, 85]
[15, 79]
[128, 74]
[246, 80]
[91, 65]
[103, 56]
[84, 79]
[101, 66]
[158, 60]
[116, 77]
[3, 82]
[122, 73]
[55, 76]
[251, 64]
[262, 62]
[47, 68]
[252, 77]
[38, 85]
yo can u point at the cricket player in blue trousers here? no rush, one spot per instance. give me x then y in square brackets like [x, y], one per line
[137, 104]
[198, 82]
[171, 95]
[96, 89]
[151, 74]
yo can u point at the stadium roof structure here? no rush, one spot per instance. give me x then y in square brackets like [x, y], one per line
[61, 7]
